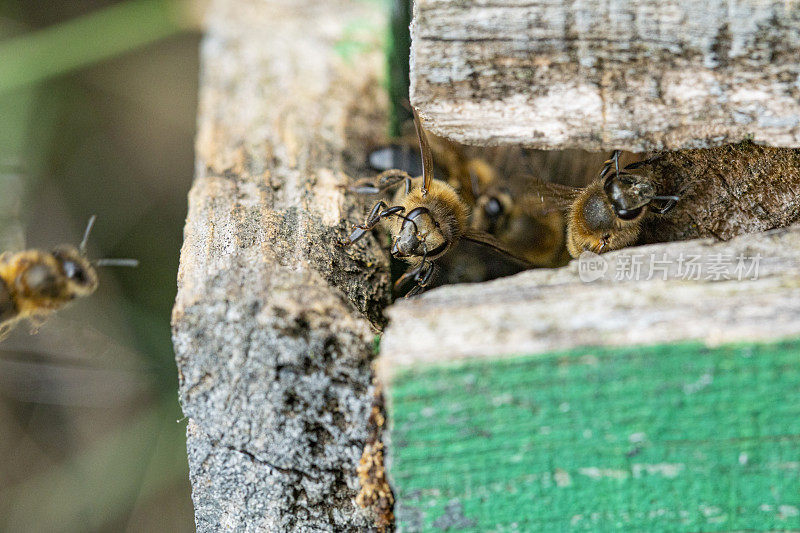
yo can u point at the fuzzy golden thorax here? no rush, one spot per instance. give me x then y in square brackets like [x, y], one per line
[593, 225]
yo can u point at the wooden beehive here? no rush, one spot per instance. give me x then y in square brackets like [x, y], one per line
[537, 402]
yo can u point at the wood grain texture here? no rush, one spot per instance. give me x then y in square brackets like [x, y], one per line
[647, 295]
[637, 75]
[272, 323]
[678, 437]
[724, 192]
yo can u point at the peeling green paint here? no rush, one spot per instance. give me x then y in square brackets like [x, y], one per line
[659, 438]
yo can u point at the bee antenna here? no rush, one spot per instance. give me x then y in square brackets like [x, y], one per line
[87, 231]
[117, 262]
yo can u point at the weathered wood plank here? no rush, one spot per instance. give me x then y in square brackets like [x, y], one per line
[678, 437]
[270, 326]
[523, 402]
[546, 310]
[725, 191]
[637, 75]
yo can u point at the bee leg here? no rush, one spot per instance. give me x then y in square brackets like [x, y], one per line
[396, 210]
[5, 329]
[666, 207]
[424, 277]
[414, 291]
[382, 182]
[643, 162]
[411, 273]
[374, 215]
[35, 323]
[613, 160]
[364, 186]
[370, 222]
[373, 218]
[423, 272]
[417, 271]
[356, 234]
[391, 177]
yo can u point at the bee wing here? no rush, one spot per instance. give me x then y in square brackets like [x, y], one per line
[644, 162]
[545, 197]
[12, 237]
[425, 150]
[71, 363]
[485, 239]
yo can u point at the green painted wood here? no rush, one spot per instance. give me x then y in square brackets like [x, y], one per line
[660, 438]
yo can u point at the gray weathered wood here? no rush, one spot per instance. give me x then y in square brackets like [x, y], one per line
[553, 309]
[724, 191]
[636, 74]
[270, 325]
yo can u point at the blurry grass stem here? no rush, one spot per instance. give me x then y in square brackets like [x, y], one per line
[77, 43]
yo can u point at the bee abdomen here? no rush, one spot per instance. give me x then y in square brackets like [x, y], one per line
[8, 309]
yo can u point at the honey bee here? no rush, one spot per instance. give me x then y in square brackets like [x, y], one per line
[35, 283]
[427, 218]
[608, 213]
[524, 223]
[526, 226]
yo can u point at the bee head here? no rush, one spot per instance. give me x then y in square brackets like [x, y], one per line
[628, 194]
[419, 235]
[492, 211]
[79, 273]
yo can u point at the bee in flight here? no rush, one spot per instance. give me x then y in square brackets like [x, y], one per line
[426, 220]
[35, 283]
[608, 213]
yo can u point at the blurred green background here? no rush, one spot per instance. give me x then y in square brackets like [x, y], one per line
[97, 116]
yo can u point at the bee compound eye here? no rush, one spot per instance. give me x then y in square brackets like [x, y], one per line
[493, 207]
[74, 271]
